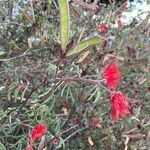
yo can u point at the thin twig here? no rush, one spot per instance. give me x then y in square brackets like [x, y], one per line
[8, 23]
[74, 133]
[41, 144]
[4, 15]
[27, 52]
[24, 103]
[65, 121]
[69, 129]
[89, 81]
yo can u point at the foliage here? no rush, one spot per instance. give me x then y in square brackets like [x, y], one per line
[51, 73]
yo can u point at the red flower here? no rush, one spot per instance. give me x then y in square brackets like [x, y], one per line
[119, 105]
[37, 131]
[148, 88]
[95, 122]
[112, 75]
[103, 28]
[28, 147]
[66, 105]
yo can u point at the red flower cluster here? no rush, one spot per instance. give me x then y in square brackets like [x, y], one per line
[112, 75]
[95, 122]
[103, 28]
[37, 131]
[28, 147]
[119, 105]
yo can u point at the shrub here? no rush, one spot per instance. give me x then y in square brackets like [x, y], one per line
[68, 84]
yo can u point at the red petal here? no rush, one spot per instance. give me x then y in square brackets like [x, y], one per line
[28, 147]
[119, 105]
[37, 131]
[114, 107]
[112, 75]
[124, 106]
[95, 122]
[102, 27]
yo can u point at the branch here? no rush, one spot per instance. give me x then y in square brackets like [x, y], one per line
[69, 129]
[74, 133]
[27, 52]
[24, 103]
[73, 79]
[89, 81]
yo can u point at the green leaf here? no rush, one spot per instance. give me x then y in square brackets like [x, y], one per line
[61, 144]
[2, 147]
[32, 10]
[49, 3]
[83, 45]
[2, 53]
[16, 93]
[64, 22]
[98, 96]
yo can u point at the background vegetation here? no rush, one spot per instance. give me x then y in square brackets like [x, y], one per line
[35, 64]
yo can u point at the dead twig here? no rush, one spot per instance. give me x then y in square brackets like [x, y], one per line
[92, 6]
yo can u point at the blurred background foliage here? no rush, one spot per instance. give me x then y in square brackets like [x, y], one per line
[30, 51]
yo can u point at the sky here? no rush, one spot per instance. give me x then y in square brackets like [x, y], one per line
[137, 10]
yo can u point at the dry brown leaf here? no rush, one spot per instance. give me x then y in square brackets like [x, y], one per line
[90, 141]
[83, 56]
[30, 44]
[108, 58]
